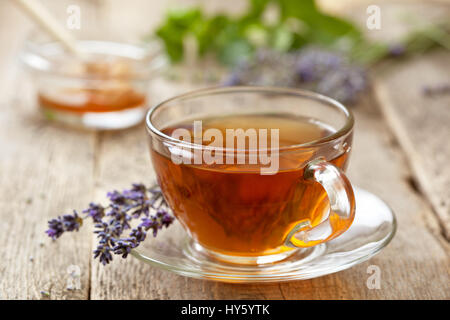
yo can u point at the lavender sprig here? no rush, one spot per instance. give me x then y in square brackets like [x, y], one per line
[111, 221]
[56, 227]
[312, 68]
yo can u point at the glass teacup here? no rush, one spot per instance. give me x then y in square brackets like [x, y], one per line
[253, 201]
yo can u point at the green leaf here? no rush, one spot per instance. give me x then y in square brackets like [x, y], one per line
[257, 35]
[303, 9]
[207, 32]
[282, 39]
[235, 52]
[322, 28]
[255, 11]
[177, 25]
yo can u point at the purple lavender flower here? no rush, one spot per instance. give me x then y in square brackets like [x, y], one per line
[396, 50]
[116, 197]
[320, 70]
[56, 227]
[137, 192]
[157, 222]
[232, 80]
[72, 222]
[119, 214]
[95, 211]
[330, 74]
[151, 223]
[165, 218]
[103, 253]
[269, 68]
[313, 63]
[138, 234]
[124, 246]
[113, 220]
[106, 232]
[139, 187]
[343, 84]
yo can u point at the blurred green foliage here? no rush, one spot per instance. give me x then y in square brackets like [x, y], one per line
[233, 39]
[297, 23]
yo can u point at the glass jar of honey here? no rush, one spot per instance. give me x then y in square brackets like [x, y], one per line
[105, 88]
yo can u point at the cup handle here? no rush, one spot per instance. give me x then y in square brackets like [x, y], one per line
[342, 206]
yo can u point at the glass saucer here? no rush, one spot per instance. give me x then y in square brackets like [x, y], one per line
[373, 228]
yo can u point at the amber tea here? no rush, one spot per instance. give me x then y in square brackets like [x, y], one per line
[233, 209]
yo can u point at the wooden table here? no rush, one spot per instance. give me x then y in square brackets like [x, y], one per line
[401, 153]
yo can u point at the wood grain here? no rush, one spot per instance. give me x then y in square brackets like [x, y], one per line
[421, 123]
[45, 170]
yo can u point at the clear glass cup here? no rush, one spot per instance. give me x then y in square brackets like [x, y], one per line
[316, 206]
[106, 88]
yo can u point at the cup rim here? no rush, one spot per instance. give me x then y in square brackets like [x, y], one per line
[343, 131]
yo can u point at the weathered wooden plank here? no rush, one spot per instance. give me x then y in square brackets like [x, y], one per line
[44, 170]
[421, 123]
[11, 41]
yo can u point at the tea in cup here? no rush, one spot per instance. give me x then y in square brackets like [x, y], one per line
[254, 172]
